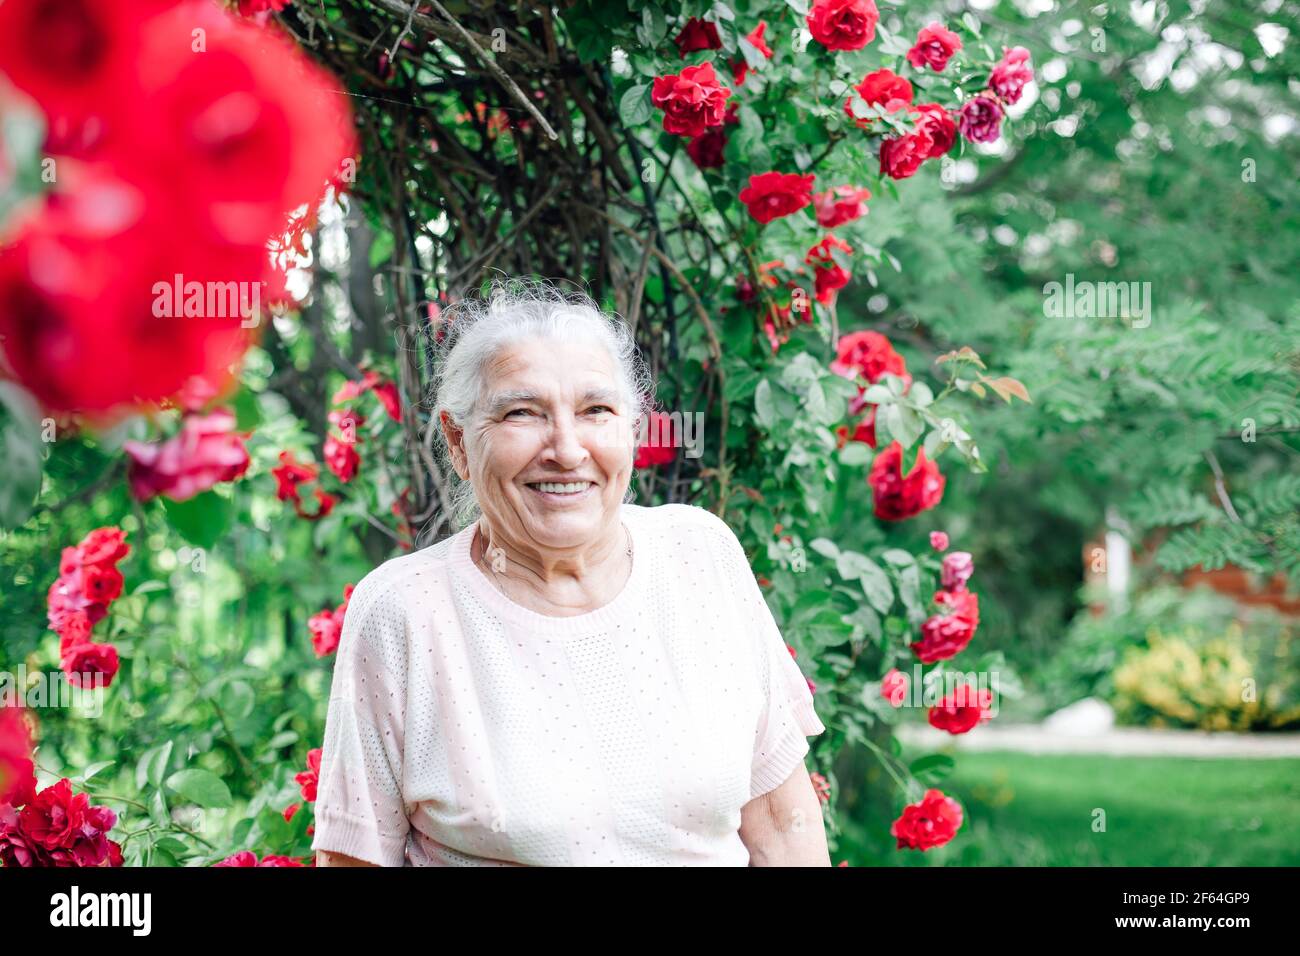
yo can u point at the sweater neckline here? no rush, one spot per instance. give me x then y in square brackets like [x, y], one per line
[607, 615]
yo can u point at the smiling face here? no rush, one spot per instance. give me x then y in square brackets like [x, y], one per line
[549, 450]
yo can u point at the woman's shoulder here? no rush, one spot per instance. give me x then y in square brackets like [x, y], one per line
[684, 520]
[394, 580]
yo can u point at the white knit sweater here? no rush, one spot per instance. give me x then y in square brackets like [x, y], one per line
[467, 730]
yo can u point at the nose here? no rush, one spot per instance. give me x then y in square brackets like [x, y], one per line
[566, 447]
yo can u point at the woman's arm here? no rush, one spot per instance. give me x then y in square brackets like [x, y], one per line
[326, 858]
[783, 827]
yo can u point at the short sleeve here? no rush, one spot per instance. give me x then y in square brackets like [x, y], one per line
[787, 716]
[359, 807]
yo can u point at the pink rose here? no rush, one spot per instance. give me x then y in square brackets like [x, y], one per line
[206, 451]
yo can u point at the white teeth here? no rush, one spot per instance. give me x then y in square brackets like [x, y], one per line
[558, 488]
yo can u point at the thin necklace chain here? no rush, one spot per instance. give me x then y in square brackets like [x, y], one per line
[498, 577]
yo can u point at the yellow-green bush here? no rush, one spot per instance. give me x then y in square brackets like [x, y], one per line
[1212, 682]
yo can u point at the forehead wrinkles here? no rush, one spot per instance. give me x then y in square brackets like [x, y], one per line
[509, 376]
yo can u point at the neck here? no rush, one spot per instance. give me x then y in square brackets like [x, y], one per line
[521, 559]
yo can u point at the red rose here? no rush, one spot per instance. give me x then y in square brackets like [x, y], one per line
[325, 503]
[961, 710]
[257, 127]
[54, 818]
[103, 546]
[841, 204]
[341, 457]
[772, 195]
[89, 317]
[100, 583]
[935, 122]
[661, 440]
[279, 861]
[207, 450]
[893, 687]
[1012, 72]
[935, 45]
[383, 389]
[89, 658]
[72, 56]
[242, 858]
[902, 156]
[692, 100]
[843, 24]
[740, 68]
[932, 822]
[17, 772]
[944, 636]
[870, 355]
[697, 35]
[881, 88]
[327, 626]
[17, 849]
[899, 496]
[309, 779]
[289, 474]
[248, 8]
[829, 275]
[706, 150]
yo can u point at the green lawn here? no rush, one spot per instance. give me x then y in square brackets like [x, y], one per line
[1159, 811]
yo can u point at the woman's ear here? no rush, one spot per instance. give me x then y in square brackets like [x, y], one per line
[455, 436]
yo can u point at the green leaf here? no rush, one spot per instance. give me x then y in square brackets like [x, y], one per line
[765, 405]
[855, 454]
[21, 448]
[236, 699]
[932, 768]
[635, 108]
[201, 787]
[876, 586]
[152, 765]
[825, 547]
[202, 520]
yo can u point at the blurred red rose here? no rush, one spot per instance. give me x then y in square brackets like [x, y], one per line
[840, 204]
[692, 100]
[882, 88]
[932, 822]
[696, 35]
[843, 24]
[898, 496]
[206, 450]
[962, 710]
[309, 779]
[771, 195]
[934, 47]
[1010, 75]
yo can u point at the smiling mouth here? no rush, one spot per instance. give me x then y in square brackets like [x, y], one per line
[560, 487]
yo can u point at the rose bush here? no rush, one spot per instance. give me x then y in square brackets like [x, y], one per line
[297, 453]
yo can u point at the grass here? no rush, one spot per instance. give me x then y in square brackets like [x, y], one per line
[1025, 810]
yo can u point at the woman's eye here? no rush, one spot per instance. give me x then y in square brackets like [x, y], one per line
[518, 411]
[601, 408]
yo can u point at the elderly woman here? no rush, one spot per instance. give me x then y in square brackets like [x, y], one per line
[570, 680]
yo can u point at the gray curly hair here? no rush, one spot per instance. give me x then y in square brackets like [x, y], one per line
[511, 309]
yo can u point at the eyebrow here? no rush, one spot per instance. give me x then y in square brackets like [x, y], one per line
[502, 400]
